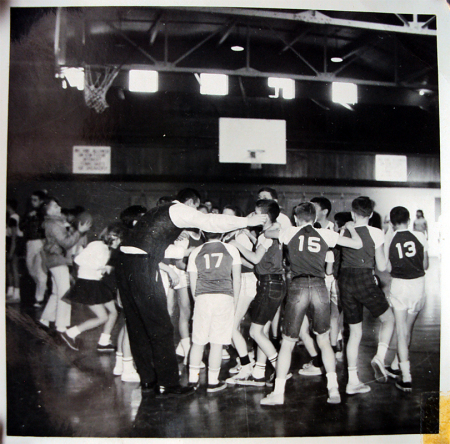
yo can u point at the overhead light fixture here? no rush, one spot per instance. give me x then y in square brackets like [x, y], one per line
[213, 84]
[237, 48]
[337, 59]
[425, 91]
[141, 80]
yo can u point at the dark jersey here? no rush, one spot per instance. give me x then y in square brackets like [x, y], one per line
[213, 262]
[372, 238]
[272, 261]
[406, 253]
[307, 249]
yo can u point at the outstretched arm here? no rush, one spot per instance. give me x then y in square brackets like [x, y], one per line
[353, 242]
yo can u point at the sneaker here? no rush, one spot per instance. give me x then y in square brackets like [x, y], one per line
[118, 368]
[225, 355]
[333, 396]
[403, 386]
[354, 389]
[130, 377]
[309, 369]
[212, 388]
[243, 375]
[106, 348]
[251, 380]
[270, 382]
[273, 399]
[194, 385]
[393, 373]
[379, 370]
[237, 368]
[69, 341]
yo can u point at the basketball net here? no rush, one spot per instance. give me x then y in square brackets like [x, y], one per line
[96, 86]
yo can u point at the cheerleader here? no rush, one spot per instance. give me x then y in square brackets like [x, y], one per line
[92, 289]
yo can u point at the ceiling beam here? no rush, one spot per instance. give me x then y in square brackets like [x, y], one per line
[320, 18]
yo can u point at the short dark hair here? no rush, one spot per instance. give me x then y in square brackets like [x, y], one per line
[323, 203]
[40, 194]
[13, 203]
[399, 215]
[272, 192]
[164, 200]
[237, 211]
[269, 207]
[305, 211]
[131, 215]
[188, 193]
[211, 236]
[342, 218]
[363, 206]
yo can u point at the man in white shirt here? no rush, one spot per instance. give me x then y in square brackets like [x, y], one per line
[143, 297]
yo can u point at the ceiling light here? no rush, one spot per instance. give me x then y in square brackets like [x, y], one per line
[142, 81]
[424, 91]
[337, 59]
[74, 76]
[237, 48]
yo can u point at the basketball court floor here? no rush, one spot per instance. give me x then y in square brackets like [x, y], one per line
[54, 391]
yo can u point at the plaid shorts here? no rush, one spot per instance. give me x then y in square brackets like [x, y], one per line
[358, 288]
[269, 295]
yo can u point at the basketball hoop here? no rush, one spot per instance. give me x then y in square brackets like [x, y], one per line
[96, 85]
[255, 159]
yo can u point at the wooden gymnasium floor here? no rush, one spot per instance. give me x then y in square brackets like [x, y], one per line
[53, 391]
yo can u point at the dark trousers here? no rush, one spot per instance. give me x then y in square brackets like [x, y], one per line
[148, 322]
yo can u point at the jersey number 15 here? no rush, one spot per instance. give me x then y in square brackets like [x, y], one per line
[313, 244]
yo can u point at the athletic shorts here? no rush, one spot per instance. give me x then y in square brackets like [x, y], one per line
[213, 319]
[357, 290]
[407, 294]
[306, 294]
[269, 295]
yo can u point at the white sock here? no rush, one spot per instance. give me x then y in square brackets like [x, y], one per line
[246, 368]
[332, 380]
[394, 365]
[194, 373]
[73, 332]
[353, 378]
[17, 292]
[119, 357]
[10, 291]
[213, 376]
[259, 370]
[279, 386]
[406, 371]
[128, 366]
[273, 360]
[381, 351]
[104, 339]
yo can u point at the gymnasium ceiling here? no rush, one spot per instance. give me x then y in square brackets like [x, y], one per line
[391, 57]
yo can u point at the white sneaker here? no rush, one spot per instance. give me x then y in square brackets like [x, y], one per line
[243, 375]
[309, 369]
[379, 370]
[354, 389]
[130, 377]
[273, 399]
[333, 396]
[237, 368]
[118, 368]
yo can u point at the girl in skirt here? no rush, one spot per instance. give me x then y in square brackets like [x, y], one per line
[93, 288]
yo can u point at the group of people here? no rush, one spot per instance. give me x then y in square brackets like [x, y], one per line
[298, 278]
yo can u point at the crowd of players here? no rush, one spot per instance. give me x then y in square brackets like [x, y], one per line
[296, 278]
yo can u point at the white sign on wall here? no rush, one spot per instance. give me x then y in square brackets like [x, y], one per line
[92, 160]
[391, 168]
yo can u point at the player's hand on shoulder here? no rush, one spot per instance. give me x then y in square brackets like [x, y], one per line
[256, 219]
